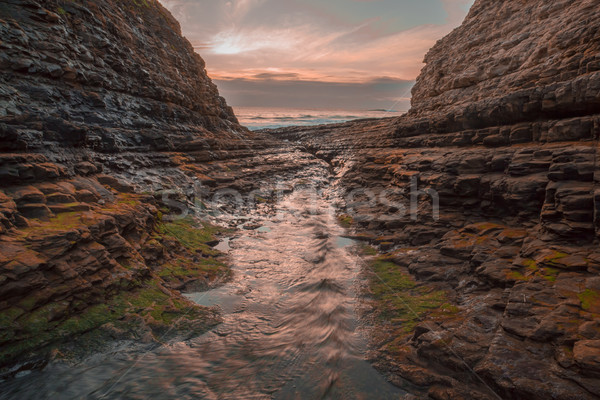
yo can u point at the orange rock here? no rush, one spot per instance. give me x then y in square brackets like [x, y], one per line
[587, 354]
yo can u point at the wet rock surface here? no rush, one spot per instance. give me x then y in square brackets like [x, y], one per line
[290, 327]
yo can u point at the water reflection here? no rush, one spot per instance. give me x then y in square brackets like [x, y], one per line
[289, 330]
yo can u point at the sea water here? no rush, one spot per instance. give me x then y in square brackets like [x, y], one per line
[260, 118]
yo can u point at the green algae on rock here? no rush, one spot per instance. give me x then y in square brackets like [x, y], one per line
[401, 301]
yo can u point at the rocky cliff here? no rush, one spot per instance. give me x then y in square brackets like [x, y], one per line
[499, 297]
[109, 76]
[104, 108]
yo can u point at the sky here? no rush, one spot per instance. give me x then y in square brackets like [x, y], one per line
[328, 54]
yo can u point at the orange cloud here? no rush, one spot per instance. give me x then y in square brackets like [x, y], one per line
[284, 40]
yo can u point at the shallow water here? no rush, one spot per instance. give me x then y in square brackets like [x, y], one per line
[290, 327]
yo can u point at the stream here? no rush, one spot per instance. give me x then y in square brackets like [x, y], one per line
[291, 328]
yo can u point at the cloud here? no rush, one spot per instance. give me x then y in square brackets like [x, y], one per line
[336, 41]
[317, 56]
[378, 93]
[232, 42]
[240, 8]
[272, 75]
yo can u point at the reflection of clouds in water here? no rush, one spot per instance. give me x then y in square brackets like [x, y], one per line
[289, 324]
[291, 329]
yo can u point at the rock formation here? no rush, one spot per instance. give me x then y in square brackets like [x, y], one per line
[504, 126]
[105, 108]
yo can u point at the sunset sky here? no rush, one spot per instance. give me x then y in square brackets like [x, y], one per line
[337, 54]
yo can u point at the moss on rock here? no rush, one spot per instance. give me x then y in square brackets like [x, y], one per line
[402, 301]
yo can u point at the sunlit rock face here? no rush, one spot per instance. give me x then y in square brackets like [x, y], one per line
[504, 127]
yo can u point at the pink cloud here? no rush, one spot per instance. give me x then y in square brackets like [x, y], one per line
[313, 50]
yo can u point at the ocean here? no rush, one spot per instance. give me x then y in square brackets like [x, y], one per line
[260, 118]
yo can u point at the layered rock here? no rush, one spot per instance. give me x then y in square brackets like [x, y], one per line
[107, 118]
[513, 62]
[104, 75]
[504, 132]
